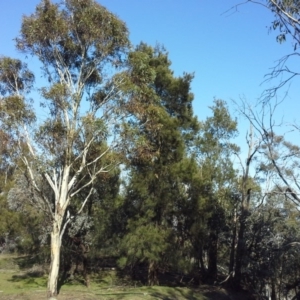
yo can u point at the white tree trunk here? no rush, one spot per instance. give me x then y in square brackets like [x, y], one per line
[55, 259]
[58, 228]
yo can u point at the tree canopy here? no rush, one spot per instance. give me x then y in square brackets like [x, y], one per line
[120, 170]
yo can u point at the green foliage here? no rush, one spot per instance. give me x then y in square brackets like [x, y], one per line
[176, 202]
[286, 19]
[23, 229]
[15, 77]
[15, 82]
[159, 184]
[144, 243]
[80, 31]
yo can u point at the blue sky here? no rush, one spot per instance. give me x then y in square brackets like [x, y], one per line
[229, 52]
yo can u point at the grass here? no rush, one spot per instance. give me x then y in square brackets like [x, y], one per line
[16, 281]
[120, 293]
[20, 279]
[16, 285]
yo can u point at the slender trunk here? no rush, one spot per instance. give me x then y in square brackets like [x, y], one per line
[57, 232]
[244, 212]
[200, 271]
[212, 256]
[152, 274]
[233, 245]
[273, 293]
[267, 292]
[240, 252]
[241, 245]
[202, 266]
[85, 265]
[55, 260]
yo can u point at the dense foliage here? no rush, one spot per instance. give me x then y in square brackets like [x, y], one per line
[122, 172]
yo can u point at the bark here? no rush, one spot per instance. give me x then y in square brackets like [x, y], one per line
[78, 264]
[82, 258]
[244, 211]
[273, 293]
[241, 245]
[240, 252]
[85, 270]
[233, 245]
[213, 256]
[152, 274]
[201, 262]
[55, 260]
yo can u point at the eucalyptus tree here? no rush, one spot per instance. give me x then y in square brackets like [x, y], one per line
[286, 24]
[247, 186]
[278, 165]
[80, 46]
[218, 177]
[286, 14]
[279, 156]
[272, 254]
[15, 82]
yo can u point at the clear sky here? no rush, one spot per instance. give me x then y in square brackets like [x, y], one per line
[229, 52]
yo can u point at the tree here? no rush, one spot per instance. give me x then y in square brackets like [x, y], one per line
[279, 157]
[214, 152]
[156, 188]
[246, 188]
[286, 13]
[287, 23]
[78, 43]
[15, 82]
[278, 165]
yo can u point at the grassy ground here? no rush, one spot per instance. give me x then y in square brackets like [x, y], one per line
[22, 280]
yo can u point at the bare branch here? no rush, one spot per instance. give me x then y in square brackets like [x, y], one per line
[93, 178]
[85, 200]
[284, 12]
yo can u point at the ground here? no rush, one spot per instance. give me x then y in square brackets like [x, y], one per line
[20, 280]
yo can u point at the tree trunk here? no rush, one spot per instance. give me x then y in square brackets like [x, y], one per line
[55, 260]
[273, 293]
[241, 244]
[83, 252]
[58, 228]
[240, 252]
[202, 266]
[233, 245]
[212, 256]
[152, 274]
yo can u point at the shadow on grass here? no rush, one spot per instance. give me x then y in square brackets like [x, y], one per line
[69, 282]
[216, 295]
[179, 293]
[29, 278]
[26, 262]
[33, 274]
[163, 293]
[121, 294]
[106, 278]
